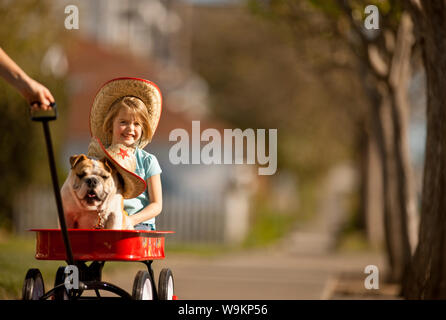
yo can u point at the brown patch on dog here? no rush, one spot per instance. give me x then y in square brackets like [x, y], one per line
[108, 164]
[77, 159]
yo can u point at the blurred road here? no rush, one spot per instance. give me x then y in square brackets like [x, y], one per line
[274, 273]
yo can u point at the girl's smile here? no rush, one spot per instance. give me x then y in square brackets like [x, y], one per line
[126, 128]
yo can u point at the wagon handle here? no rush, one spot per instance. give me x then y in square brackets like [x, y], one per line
[45, 116]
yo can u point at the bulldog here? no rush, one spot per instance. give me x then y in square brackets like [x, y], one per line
[92, 195]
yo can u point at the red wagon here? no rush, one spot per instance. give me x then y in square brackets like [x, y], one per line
[99, 246]
[78, 247]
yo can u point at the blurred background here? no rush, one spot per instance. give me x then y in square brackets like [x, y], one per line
[351, 135]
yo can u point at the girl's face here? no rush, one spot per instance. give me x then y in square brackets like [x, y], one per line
[126, 128]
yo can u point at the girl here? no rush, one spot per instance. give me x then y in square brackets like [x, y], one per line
[127, 111]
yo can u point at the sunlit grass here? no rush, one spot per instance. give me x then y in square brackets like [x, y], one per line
[354, 241]
[270, 224]
[268, 227]
[16, 257]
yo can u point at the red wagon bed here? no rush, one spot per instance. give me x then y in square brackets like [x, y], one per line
[101, 245]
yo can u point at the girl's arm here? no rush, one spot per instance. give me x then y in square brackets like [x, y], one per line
[156, 201]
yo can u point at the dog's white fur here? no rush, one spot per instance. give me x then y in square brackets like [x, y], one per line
[92, 195]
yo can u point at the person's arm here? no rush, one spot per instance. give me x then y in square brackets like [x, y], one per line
[156, 201]
[30, 89]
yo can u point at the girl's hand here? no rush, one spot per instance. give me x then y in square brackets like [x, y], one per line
[131, 220]
[156, 201]
[129, 224]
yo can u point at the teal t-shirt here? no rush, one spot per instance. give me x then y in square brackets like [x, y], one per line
[146, 166]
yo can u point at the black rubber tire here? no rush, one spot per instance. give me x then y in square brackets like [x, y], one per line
[166, 285]
[60, 294]
[142, 286]
[33, 287]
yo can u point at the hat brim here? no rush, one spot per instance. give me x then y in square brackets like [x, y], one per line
[134, 185]
[117, 88]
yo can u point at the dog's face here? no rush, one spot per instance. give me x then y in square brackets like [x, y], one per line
[93, 181]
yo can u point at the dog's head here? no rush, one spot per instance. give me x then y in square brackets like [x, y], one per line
[93, 180]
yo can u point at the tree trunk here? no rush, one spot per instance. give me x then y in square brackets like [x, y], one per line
[398, 82]
[403, 212]
[391, 118]
[395, 227]
[427, 278]
[373, 195]
[393, 207]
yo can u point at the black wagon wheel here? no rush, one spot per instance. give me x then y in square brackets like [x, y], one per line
[61, 293]
[33, 287]
[142, 286]
[166, 285]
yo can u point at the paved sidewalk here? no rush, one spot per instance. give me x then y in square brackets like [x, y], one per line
[266, 274]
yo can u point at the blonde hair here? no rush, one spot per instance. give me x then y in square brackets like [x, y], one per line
[137, 107]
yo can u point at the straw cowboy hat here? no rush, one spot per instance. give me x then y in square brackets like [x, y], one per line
[118, 88]
[125, 162]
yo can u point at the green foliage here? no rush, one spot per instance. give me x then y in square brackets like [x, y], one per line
[352, 236]
[333, 7]
[330, 7]
[268, 226]
[389, 10]
[354, 241]
[29, 32]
